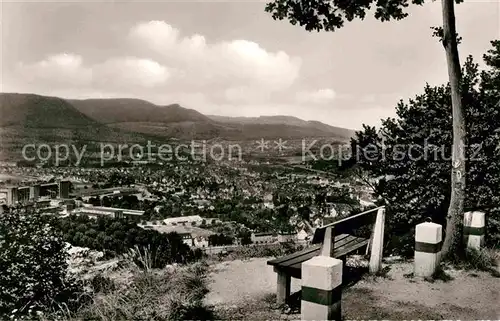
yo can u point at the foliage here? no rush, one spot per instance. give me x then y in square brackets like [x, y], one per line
[219, 239]
[412, 154]
[33, 266]
[245, 236]
[118, 236]
[101, 283]
[330, 15]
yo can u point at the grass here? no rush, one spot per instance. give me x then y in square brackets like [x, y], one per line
[147, 294]
[384, 272]
[440, 274]
[155, 295]
[484, 259]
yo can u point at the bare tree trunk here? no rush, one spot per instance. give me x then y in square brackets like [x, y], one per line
[455, 210]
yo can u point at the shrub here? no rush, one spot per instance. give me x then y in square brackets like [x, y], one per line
[481, 260]
[33, 265]
[100, 283]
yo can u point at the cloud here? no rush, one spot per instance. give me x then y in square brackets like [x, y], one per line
[162, 59]
[246, 94]
[60, 69]
[236, 62]
[131, 72]
[321, 96]
[68, 70]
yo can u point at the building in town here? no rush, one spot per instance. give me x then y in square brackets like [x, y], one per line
[9, 195]
[63, 190]
[285, 237]
[191, 235]
[302, 236]
[200, 241]
[97, 211]
[263, 237]
[110, 192]
[23, 194]
[186, 220]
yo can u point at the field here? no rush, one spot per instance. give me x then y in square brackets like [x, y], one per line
[245, 290]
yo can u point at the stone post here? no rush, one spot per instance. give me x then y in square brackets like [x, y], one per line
[428, 242]
[321, 289]
[474, 227]
[377, 242]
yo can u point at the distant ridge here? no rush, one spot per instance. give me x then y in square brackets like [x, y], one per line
[123, 110]
[286, 120]
[42, 118]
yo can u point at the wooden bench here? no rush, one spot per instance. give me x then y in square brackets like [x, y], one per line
[337, 239]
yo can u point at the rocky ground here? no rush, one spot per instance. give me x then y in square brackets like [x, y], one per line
[245, 290]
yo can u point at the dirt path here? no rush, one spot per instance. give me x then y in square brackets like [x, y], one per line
[245, 290]
[468, 296]
[236, 281]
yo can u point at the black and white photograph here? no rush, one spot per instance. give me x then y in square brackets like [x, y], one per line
[167, 160]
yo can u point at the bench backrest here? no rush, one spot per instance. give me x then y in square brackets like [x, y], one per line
[358, 224]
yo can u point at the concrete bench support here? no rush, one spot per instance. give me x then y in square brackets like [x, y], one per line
[474, 228]
[428, 242]
[284, 282]
[321, 289]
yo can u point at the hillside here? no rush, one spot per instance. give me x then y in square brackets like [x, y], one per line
[316, 127]
[35, 118]
[28, 110]
[182, 123]
[124, 110]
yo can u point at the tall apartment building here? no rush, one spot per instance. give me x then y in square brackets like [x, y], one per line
[34, 192]
[23, 194]
[64, 189]
[12, 195]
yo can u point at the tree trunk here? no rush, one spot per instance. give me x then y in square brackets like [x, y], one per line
[455, 210]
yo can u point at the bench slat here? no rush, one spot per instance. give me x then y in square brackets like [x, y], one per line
[347, 250]
[347, 225]
[343, 243]
[346, 242]
[300, 259]
[280, 260]
[292, 264]
[306, 251]
[353, 246]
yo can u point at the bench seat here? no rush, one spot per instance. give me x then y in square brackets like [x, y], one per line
[291, 264]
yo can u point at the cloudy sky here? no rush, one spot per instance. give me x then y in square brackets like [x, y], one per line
[231, 58]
